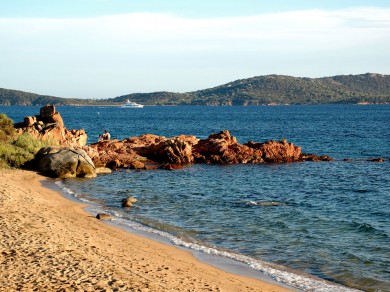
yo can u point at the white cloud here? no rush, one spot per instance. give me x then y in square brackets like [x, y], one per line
[106, 56]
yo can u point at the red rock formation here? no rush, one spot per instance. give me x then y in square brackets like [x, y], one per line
[275, 152]
[170, 153]
[146, 151]
[177, 150]
[222, 148]
[49, 125]
[116, 154]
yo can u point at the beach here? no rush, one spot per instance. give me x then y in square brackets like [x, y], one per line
[50, 243]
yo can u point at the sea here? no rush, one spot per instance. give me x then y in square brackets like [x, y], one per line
[315, 226]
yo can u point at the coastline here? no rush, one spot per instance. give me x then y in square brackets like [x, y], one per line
[51, 243]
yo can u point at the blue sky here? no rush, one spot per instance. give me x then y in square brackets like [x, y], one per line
[106, 48]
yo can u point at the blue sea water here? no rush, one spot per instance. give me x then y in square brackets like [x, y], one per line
[327, 219]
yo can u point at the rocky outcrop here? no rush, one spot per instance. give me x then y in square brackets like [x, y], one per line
[64, 162]
[276, 151]
[150, 151]
[222, 148]
[49, 125]
[176, 150]
[116, 154]
[147, 151]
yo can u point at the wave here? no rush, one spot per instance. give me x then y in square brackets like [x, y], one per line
[368, 228]
[278, 273]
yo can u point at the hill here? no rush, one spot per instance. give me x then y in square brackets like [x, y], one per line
[372, 88]
[260, 90]
[17, 97]
[279, 89]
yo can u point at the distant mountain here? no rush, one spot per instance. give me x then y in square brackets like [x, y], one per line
[260, 90]
[279, 89]
[17, 97]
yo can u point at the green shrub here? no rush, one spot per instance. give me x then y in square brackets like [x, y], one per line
[7, 130]
[11, 156]
[15, 150]
[31, 144]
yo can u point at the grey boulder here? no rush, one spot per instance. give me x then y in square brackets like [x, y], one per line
[64, 162]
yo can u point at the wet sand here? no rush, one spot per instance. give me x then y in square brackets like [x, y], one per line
[50, 243]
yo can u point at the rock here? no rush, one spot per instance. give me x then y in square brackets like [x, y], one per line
[105, 153]
[168, 166]
[49, 125]
[56, 118]
[102, 170]
[275, 152]
[30, 121]
[136, 165]
[102, 216]
[313, 157]
[64, 162]
[376, 160]
[114, 164]
[265, 204]
[47, 111]
[128, 202]
[177, 150]
[145, 151]
[221, 148]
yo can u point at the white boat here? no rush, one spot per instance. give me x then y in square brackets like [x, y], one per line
[131, 104]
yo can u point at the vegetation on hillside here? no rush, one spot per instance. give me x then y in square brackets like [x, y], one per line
[276, 89]
[16, 150]
[260, 90]
[17, 97]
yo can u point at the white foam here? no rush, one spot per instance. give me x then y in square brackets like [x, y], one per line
[278, 273]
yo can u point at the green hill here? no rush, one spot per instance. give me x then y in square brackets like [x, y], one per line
[260, 90]
[278, 89]
[17, 97]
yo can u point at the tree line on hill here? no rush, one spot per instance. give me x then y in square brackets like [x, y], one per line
[260, 90]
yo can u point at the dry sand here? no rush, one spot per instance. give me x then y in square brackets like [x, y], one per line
[49, 243]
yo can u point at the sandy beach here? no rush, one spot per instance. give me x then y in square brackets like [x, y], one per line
[49, 243]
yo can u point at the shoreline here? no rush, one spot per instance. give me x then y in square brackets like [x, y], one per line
[50, 242]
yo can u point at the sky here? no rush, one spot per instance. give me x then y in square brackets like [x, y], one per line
[108, 48]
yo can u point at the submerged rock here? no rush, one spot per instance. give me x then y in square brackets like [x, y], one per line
[313, 157]
[376, 160]
[102, 216]
[265, 204]
[128, 202]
